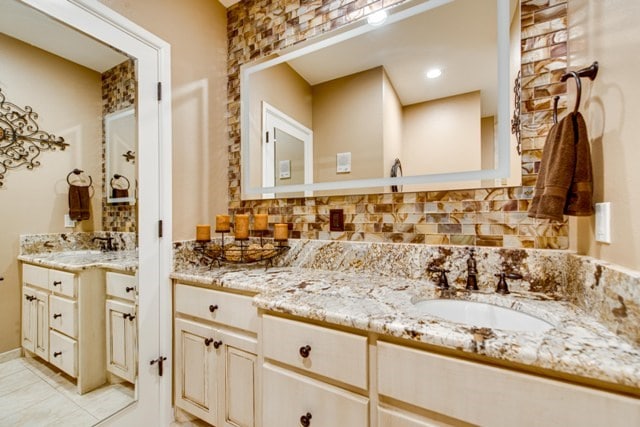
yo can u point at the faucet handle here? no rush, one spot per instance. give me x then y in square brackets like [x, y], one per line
[443, 283]
[502, 287]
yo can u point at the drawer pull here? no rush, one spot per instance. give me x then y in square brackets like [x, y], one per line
[305, 350]
[57, 353]
[305, 420]
[129, 316]
[29, 297]
[57, 282]
[217, 344]
[129, 289]
[213, 308]
[56, 315]
[208, 341]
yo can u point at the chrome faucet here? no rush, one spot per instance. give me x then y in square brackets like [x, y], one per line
[472, 272]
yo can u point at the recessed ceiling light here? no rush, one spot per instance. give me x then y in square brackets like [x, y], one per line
[377, 18]
[434, 73]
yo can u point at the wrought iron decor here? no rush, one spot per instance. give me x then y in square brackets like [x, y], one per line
[515, 121]
[21, 139]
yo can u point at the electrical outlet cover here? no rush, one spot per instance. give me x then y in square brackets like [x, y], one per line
[603, 222]
[68, 222]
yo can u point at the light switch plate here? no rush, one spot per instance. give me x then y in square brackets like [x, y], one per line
[343, 162]
[603, 222]
[68, 222]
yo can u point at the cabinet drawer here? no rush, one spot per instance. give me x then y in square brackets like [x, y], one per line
[121, 285]
[393, 418]
[429, 381]
[222, 307]
[63, 353]
[63, 315]
[35, 276]
[62, 283]
[338, 355]
[288, 396]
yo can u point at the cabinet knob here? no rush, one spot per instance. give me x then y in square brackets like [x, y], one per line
[29, 297]
[1, 278]
[213, 308]
[129, 289]
[305, 420]
[305, 350]
[217, 344]
[208, 341]
[57, 353]
[128, 316]
[57, 282]
[56, 315]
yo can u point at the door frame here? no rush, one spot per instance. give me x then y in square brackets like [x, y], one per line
[153, 56]
[293, 128]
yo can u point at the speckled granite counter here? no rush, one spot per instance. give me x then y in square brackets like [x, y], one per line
[578, 345]
[126, 261]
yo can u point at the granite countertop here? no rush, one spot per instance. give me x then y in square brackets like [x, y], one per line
[126, 261]
[577, 344]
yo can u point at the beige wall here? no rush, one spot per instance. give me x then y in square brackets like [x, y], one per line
[391, 127]
[442, 136]
[196, 30]
[347, 116]
[68, 100]
[283, 88]
[607, 31]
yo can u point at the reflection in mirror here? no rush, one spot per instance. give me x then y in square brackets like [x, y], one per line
[121, 148]
[415, 88]
[68, 355]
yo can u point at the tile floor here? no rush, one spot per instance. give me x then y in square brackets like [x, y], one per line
[34, 394]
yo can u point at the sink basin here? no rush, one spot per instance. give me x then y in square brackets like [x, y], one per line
[482, 315]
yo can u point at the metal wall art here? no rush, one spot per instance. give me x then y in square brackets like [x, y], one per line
[21, 139]
[515, 121]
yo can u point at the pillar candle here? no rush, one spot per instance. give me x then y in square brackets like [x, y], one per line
[280, 232]
[260, 222]
[222, 224]
[203, 232]
[241, 226]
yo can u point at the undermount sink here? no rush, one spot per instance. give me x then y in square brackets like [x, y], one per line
[482, 315]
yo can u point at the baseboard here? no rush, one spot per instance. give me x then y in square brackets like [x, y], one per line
[10, 355]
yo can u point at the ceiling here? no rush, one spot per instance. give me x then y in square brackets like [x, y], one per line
[30, 26]
[458, 37]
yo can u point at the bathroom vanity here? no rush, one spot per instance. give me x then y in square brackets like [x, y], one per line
[78, 314]
[333, 348]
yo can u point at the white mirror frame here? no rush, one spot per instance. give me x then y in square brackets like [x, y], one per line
[153, 406]
[396, 13]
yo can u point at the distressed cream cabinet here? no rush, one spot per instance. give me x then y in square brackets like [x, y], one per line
[122, 325]
[215, 355]
[63, 321]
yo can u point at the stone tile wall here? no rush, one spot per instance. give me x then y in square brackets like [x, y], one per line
[118, 93]
[484, 217]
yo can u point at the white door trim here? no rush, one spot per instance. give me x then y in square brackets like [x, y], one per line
[153, 406]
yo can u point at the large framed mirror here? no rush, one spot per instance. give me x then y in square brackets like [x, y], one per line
[412, 93]
[92, 41]
[121, 144]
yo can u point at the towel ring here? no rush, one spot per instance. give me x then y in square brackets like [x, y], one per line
[118, 176]
[591, 72]
[395, 169]
[78, 172]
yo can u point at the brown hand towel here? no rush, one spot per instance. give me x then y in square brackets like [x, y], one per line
[117, 193]
[564, 180]
[79, 202]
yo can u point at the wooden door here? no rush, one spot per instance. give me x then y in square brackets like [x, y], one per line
[121, 339]
[196, 368]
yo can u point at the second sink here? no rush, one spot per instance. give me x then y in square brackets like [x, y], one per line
[482, 315]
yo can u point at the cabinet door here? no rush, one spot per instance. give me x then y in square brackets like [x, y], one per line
[121, 339]
[196, 367]
[237, 371]
[35, 322]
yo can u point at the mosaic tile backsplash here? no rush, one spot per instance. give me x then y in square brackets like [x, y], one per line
[484, 217]
[118, 93]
